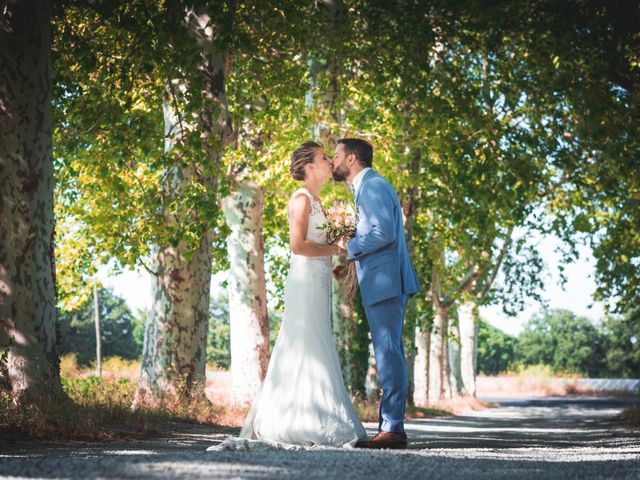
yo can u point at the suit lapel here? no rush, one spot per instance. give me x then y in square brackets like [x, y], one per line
[364, 179]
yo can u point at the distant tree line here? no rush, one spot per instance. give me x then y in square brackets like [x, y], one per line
[118, 329]
[122, 330]
[567, 343]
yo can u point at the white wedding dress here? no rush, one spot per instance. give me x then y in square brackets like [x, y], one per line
[302, 401]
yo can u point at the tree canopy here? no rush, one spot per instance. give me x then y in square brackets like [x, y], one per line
[494, 121]
[481, 115]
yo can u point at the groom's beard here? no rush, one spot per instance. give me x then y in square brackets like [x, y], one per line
[341, 173]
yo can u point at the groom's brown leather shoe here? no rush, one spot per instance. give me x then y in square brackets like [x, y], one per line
[387, 440]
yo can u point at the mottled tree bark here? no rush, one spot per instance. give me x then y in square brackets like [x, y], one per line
[173, 355]
[350, 330]
[411, 319]
[173, 359]
[410, 358]
[454, 385]
[342, 319]
[421, 366]
[372, 385]
[247, 290]
[442, 382]
[443, 379]
[468, 345]
[438, 356]
[468, 314]
[352, 342]
[27, 271]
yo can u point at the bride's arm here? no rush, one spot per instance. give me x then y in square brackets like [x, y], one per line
[299, 210]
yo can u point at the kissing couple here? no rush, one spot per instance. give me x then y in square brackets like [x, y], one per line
[303, 401]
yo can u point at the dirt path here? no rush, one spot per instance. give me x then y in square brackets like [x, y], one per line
[566, 437]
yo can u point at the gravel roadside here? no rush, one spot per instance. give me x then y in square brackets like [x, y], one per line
[564, 437]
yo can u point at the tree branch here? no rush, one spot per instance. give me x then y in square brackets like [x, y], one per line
[147, 268]
[435, 288]
[498, 263]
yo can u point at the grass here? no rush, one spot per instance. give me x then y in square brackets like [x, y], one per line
[529, 380]
[99, 408]
[537, 380]
[82, 414]
[368, 411]
[113, 368]
[538, 371]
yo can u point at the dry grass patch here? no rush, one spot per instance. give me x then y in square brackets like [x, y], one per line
[113, 368]
[99, 409]
[229, 415]
[630, 414]
[91, 409]
[530, 381]
[368, 411]
[461, 405]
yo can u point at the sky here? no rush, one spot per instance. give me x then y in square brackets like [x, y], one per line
[135, 288]
[576, 295]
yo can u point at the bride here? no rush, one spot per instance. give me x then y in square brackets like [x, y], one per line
[302, 400]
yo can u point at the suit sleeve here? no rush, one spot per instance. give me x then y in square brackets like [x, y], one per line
[379, 216]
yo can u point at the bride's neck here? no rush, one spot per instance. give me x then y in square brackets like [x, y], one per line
[314, 187]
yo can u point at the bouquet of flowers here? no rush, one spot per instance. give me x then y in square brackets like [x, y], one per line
[341, 221]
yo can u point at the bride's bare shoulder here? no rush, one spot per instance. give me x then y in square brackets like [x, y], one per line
[299, 203]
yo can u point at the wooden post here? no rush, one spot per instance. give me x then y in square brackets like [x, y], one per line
[96, 310]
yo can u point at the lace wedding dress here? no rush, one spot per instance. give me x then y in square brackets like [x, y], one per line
[302, 401]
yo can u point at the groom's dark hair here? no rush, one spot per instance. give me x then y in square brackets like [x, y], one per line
[362, 149]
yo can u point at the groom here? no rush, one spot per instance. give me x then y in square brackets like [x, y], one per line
[386, 278]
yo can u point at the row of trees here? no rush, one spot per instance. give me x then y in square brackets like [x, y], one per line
[567, 343]
[556, 338]
[171, 119]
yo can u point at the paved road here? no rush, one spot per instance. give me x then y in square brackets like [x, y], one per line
[567, 437]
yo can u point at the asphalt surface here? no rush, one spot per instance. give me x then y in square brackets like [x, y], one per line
[564, 437]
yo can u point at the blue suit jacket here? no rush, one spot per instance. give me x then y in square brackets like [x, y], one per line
[379, 248]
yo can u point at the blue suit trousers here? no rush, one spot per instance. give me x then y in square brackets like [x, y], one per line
[385, 320]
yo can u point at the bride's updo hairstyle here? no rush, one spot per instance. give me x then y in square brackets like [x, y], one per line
[300, 157]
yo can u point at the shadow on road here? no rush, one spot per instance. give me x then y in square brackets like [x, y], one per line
[531, 422]
[526, 439]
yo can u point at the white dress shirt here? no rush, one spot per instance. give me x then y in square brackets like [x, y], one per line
[357, 180]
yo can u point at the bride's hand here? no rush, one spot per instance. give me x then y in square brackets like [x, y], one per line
[338, 251]
[342, 242]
